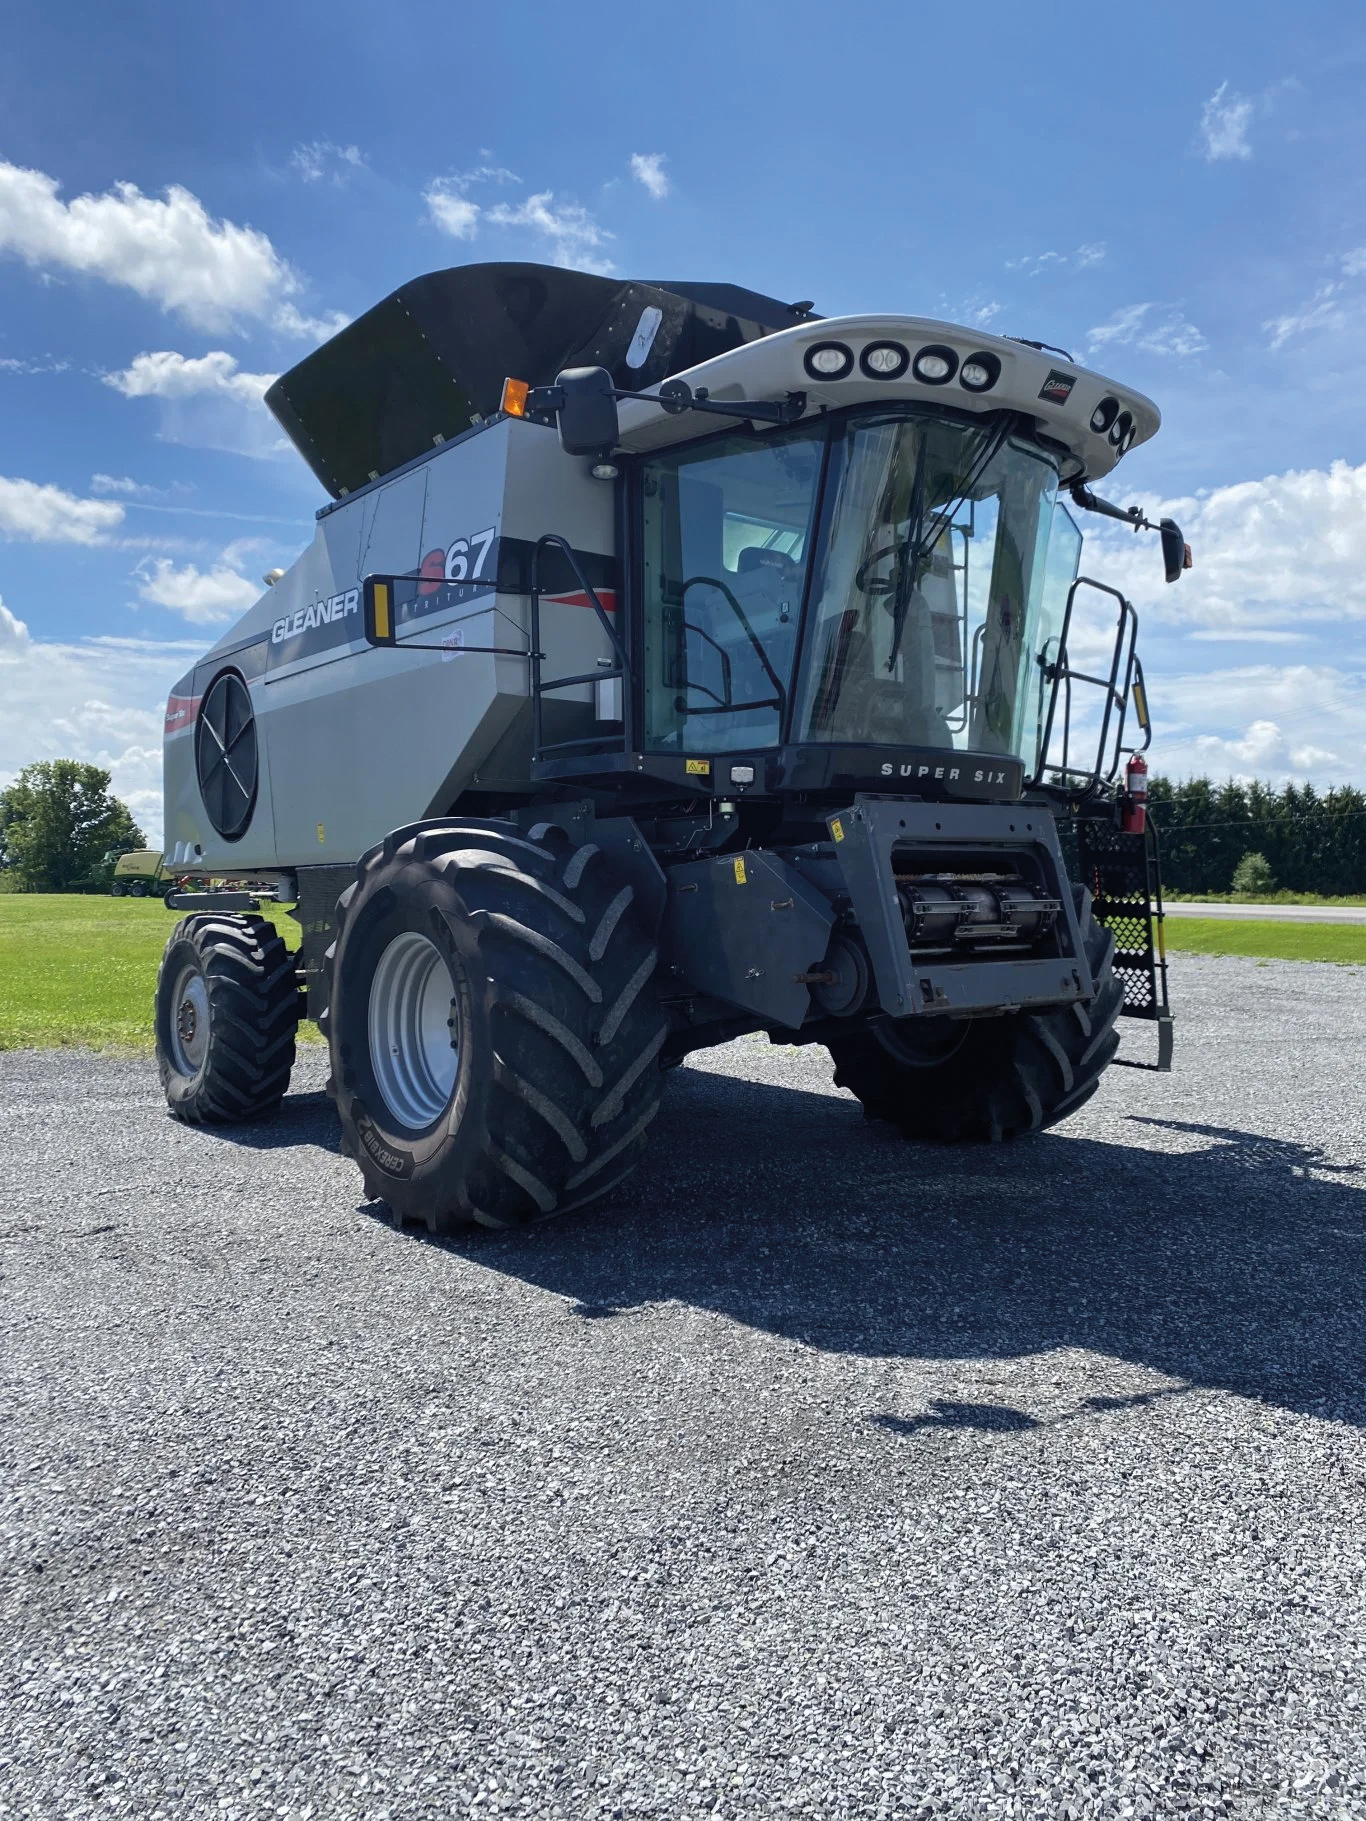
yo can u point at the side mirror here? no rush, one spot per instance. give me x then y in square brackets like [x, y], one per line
[1175, 550]
[587, 411]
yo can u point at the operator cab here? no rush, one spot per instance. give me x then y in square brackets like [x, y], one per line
[889, 578]
[845, 547]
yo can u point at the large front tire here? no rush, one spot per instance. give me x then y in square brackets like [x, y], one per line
[983, 1080]
[227, 1009]
[492, 1022]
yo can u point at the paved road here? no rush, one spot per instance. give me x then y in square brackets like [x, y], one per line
[1278, 913]
[819, 1476]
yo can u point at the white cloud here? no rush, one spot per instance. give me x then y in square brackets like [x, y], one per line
[1331, 307]
[204, 597]
[33, 512]
[1223, 125]
[1325, 310]
[13, 632]
[290, 320]
[452, 212]
[1155, 328]
[207, 401]
[99, 701]
[1263, 748]
[648, 168]
[1032, 264]
[168, 249]
[322, 158]
[571, 231]
[573, 236]
[1278, 554]
[169, 375]
[44, 364]
[449, 205]
[1297, 722]
[124, 484]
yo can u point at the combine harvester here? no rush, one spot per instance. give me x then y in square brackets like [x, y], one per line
[669, 664]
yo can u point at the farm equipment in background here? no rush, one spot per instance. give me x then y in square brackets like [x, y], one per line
[139, 875]
[669, 663]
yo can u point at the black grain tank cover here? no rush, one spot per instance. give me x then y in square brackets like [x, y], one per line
[432, 357]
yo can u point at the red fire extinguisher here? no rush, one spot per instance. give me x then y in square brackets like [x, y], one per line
[1134, 817]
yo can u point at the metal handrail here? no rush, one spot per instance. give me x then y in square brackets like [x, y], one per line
[622, 667]
[1071, 780]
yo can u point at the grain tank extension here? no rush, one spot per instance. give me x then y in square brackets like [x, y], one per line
[669, 663]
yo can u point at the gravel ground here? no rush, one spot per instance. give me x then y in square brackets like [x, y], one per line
[819, 1475]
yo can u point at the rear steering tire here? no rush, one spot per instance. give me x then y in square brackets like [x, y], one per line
[987, 1079]
[227, 1008]
[492, 1022]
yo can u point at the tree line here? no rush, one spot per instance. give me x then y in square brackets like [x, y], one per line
[1313, 841]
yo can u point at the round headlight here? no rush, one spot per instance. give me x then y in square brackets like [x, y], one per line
[1121, 428]
[884, 360]
[829, 360]
[980, 373]
[1130, 436]
[935, 366]
[1104, 415]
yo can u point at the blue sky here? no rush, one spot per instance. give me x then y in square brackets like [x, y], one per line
[190, 197]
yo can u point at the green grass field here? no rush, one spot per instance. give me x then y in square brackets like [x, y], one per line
[78, 971]
[1344, 943]
[81, 971]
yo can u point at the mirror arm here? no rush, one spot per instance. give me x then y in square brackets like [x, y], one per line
[1127, 515]
[676, 397]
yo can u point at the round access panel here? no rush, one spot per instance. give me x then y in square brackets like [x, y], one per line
[225, 754]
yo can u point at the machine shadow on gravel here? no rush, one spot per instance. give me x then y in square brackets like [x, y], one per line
[1229, 1264]
[302, 1119]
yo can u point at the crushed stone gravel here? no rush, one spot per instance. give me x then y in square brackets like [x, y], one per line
[815, 1475]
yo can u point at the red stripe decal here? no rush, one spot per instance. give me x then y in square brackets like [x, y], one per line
[180, 712]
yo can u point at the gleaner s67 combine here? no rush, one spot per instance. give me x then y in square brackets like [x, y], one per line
[671, 663]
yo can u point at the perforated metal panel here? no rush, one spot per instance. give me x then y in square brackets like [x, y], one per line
[1123, 875]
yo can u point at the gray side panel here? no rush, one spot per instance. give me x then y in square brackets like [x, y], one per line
[741, 927]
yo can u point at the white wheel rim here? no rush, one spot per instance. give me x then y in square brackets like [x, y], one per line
[414, 1030]
[190, 1022]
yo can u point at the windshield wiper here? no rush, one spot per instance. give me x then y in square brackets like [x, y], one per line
[917, 547]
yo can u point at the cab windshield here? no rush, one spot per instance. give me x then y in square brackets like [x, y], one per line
[932, 601]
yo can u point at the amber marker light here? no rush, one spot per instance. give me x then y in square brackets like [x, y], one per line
[514, 397]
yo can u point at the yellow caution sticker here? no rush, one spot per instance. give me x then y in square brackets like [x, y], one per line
[837, 829]
[697, 768]
[740, 870]
[322, 835]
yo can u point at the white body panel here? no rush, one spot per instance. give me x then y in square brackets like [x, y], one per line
[773, 367]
